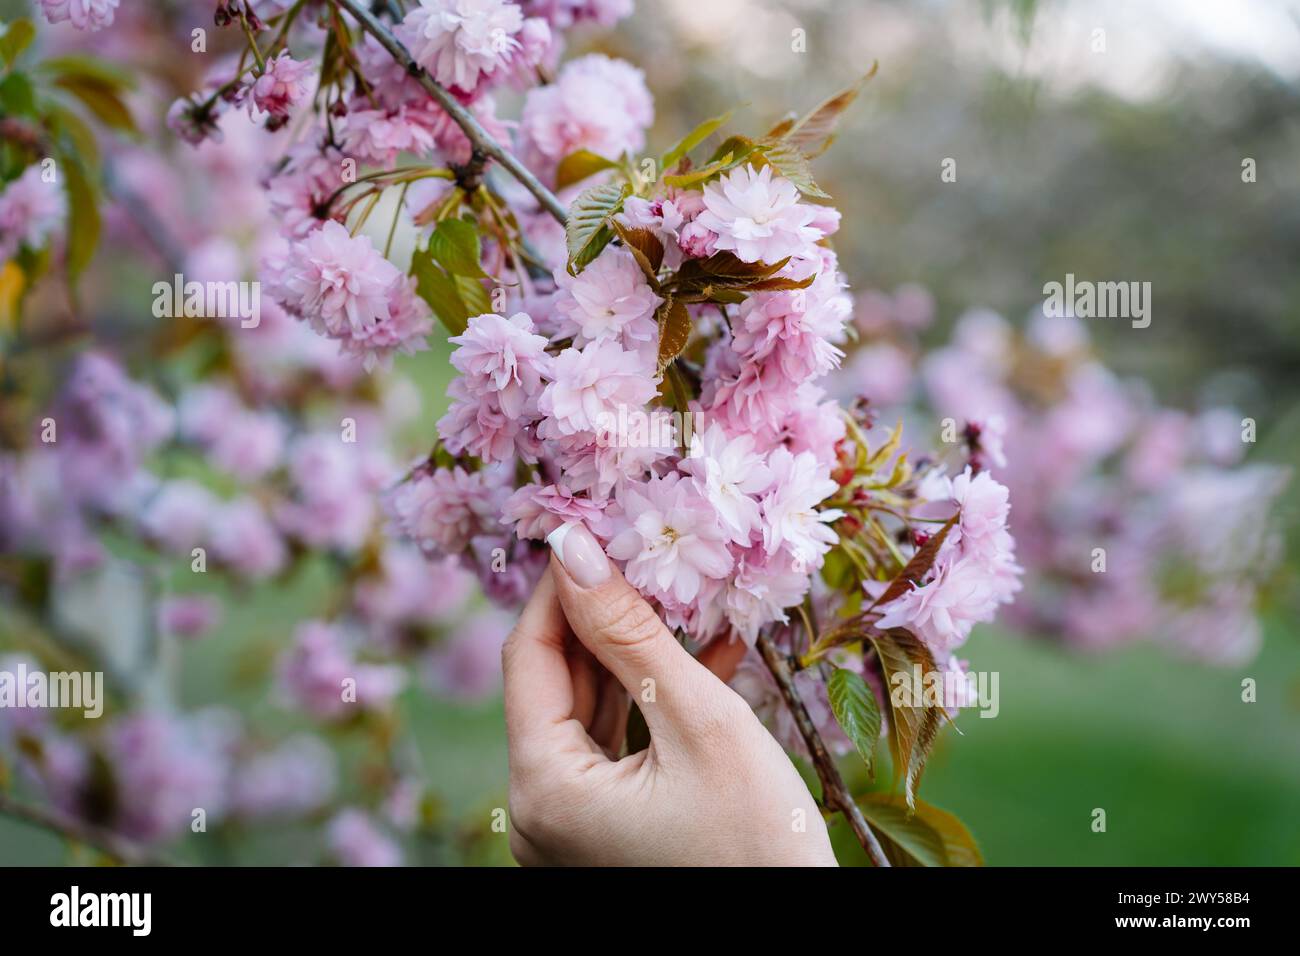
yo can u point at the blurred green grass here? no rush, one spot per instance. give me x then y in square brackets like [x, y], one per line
[1187, 773]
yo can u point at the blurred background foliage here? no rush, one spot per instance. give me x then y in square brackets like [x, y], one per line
[1117, 165]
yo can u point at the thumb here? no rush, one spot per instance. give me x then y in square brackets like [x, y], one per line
[675, 692]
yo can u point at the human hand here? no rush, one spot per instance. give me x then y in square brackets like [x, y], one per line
[713, 788]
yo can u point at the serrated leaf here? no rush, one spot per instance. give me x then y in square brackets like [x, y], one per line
[919, 565]
[587, 231]
[812, 134]
[786, 159]
[83, 216]
[472, 293]
[854, 705]
[693, 139]
[674, 329]
[913, 729]
[578, 165]
[17, 37]
[737, 147]
[454, 245]
[926, 836]
[645, 248]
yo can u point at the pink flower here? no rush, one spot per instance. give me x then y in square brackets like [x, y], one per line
[283, 84]
[563, 14]
[596, 103]
[320, 674]
[441, 510]
[590, 385]
[31, 209]
[537, 510]
[985, 505]
[758, 216]
[354, 840]
[762, 588]
[346, 290]
[792, 331]
[90, 15]
[244, 539]
[610, 299]
[177, 517]
[675, 540]
[462, 41]
[190, 615]
[942, 611]
[790, 514]
[503, 357]
[731, 475]
[296, 778]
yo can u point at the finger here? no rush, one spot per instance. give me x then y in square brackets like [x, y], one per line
[538, 685]
[625, 634]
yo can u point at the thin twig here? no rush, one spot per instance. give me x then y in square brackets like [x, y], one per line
[480, 139]
[835, 794]
[118, 847]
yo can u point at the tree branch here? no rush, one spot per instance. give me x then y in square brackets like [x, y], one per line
[835, 794]
[480, 139]
[118, 847]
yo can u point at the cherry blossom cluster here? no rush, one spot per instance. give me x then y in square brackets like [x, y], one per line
[1135, 521]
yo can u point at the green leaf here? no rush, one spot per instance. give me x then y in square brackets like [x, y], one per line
[90, 68]
[578, 165]
[83, 216]
[17, 98]
[786, 158]
[697, 176]
[693, 139]
[587, 231]
[440, 290]
[913, 728]
[927, 836]
[854, 705]
[65, 122]
[102, 100]
[16, 39]
[674, 329]
[455, 246]
[473, 295]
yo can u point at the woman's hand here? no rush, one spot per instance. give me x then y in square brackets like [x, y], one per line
[713, 788]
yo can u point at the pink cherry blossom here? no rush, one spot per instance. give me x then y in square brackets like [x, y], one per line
[90, 15]
[590, 386]
[757, 216]
[282, 85]
[610, 299]
[791, 517]
[732, 476]
[674, 540]
[31, 209]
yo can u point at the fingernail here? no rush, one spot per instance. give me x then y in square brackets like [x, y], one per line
[580, 554]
